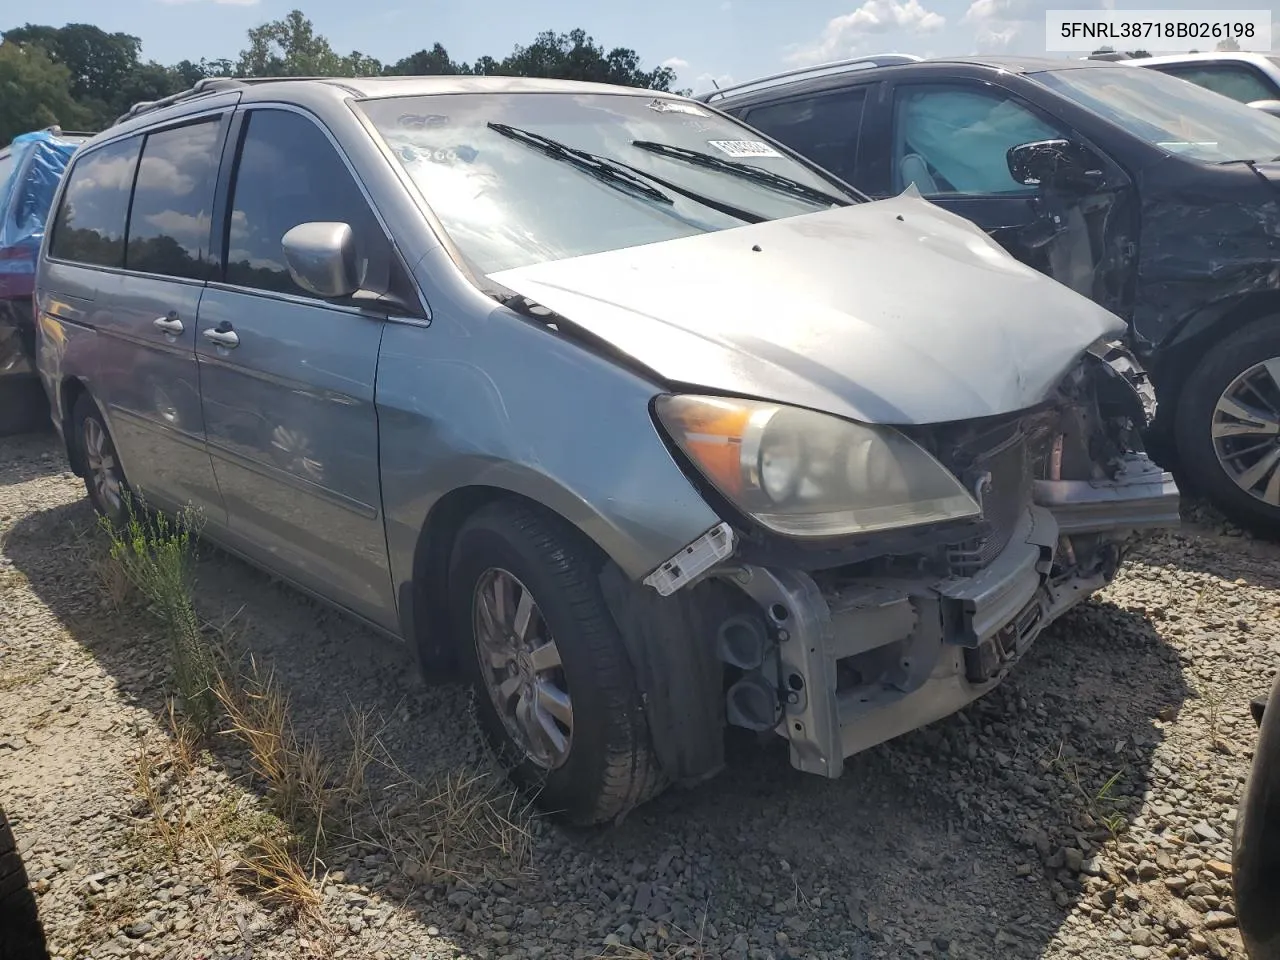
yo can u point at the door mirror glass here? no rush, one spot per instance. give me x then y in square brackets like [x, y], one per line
[322, 258]
[1059, 164]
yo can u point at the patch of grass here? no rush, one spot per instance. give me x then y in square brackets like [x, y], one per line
[156, 556]
[12, 681]
[1213, 701]
[1102, 804]
[457, 827]
[304, 788]
[272, 866]
[113, 582]
[169, 809]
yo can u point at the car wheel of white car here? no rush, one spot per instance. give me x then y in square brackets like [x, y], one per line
[555, 692]
[103, 476]
[1228, 426]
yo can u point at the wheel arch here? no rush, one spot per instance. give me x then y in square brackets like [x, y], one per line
[1198, 336]
[424, 597]
[70, 390]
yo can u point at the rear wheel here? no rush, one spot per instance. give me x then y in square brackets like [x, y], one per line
[1228, 426]
[555, 691]
[21, 936]
[104, 477]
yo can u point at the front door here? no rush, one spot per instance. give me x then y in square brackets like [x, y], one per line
[951, 140]
[287, 379]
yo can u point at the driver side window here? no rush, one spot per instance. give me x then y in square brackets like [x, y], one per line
[954, 139]
[289, 173]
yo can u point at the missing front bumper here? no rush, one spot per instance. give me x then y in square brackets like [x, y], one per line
[886, 656]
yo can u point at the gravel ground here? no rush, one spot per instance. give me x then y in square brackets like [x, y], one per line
[1083, 809]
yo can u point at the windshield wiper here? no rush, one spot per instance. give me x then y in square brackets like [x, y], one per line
[598, 167]
[619, 174]
[743, 170]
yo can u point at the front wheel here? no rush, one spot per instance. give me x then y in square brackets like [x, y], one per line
[1228, 426]
[555, 691]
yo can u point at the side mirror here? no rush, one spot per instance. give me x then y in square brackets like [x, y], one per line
[1267, 106]
[1060, 164]
[322, 259]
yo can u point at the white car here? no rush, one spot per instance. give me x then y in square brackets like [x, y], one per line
[1247, 77]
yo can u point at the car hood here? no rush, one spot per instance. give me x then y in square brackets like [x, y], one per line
[887, 312]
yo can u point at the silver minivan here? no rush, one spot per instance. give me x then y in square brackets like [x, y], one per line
[639, 421]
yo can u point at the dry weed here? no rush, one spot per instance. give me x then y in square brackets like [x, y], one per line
[271, 867]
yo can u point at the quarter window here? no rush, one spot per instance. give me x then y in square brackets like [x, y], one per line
[91, 222]
[169, 222]
[290, 173]
[956, 140]
[822, 128]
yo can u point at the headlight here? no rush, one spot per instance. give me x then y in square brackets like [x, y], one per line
[806, 474]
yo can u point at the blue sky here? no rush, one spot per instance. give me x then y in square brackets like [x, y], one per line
[701, 39]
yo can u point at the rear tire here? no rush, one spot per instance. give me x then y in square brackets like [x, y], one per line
[1232, 461]
[21, 935]
[566, 651]
[104, 478]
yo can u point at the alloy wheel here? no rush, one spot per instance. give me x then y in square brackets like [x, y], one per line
[521, 667]
[104, 468]
[1246, 431]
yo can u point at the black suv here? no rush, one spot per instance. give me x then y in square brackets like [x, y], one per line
[1156, 198]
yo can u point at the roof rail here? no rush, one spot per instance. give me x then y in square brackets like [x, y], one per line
[836, 66]
[204, 86]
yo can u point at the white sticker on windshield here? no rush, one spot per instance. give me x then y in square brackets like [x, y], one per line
[744, 148]
[675, 106]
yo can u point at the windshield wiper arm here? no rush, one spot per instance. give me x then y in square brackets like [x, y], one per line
[617, 172]
[743, 170]
[598, 167]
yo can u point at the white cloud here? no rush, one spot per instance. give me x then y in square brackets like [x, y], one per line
[846, 34]
[675, 63]
[726, 6]
[1023, 11]
[1000, 23]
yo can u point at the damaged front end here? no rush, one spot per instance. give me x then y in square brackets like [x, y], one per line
[844, 652]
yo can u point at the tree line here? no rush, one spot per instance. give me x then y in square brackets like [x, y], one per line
[82, 78]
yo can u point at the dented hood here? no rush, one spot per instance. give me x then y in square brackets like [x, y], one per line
[887, 312]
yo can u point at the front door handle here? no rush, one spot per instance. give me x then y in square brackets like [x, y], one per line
[169, 324]
[223, 335]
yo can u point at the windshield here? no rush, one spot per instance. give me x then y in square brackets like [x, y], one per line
[495, 170]
[1174, 115]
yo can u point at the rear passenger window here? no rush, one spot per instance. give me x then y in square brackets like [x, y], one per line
[290, 173]
[169, 222]
[90, 224]
[822, 128]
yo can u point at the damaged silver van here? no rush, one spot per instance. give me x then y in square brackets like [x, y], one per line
[645, 425]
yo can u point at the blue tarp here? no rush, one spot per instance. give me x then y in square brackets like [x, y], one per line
[36, 164]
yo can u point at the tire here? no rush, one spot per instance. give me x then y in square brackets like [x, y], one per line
[21, 936]
[86, 417]
[1255, 874]
[609, 766]
[1198, 456]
